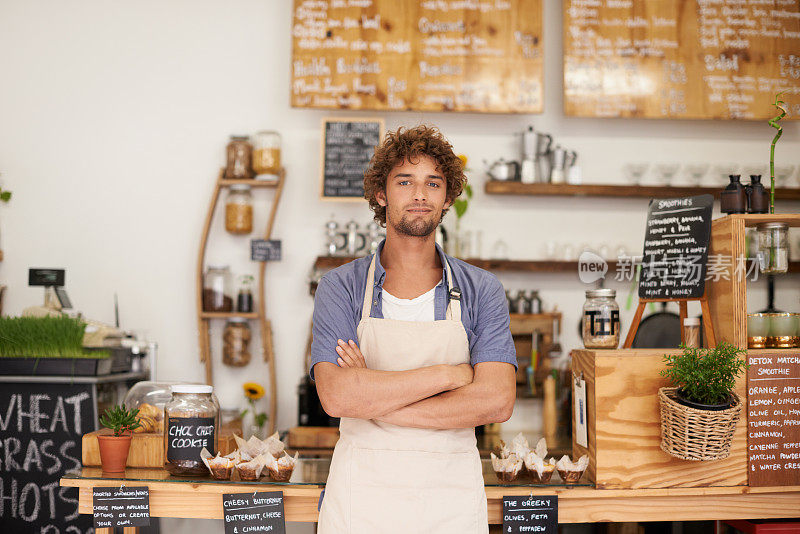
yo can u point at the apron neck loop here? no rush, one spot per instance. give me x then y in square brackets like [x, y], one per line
[453, 293]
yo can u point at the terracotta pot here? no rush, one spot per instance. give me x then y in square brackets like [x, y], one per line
[114, 452]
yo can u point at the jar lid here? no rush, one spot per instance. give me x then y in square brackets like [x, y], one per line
[237, 320]
[240, 137]
[217, 267]
[192, 388]
[240, 187]
[594, 293]
[772, 225]
[691, 321]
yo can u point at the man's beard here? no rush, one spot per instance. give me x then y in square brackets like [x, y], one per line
[416, 228]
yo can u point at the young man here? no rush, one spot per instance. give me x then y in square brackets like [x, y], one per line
[412, 349]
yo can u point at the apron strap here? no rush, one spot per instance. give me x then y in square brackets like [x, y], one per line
[454, 299]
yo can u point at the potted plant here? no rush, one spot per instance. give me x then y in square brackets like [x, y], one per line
[700, 410]
[114, 447]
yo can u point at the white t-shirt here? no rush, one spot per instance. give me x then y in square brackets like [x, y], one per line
[416, 309]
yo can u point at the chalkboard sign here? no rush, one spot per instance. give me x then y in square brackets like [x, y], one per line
[254, 512]
[724, 59]
[41, 427]
[347, 147]
[530, 514]
[676, 248]
[121, 507]
[265, 250]
[773, 419]
[188, 435]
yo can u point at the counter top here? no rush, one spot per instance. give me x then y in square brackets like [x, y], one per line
[201, 497]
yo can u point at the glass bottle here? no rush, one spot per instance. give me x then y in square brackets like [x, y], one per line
[236, 342]
[691, 332]
[244, 299]
[217, 289]
[267, 152]
[239, 210]
[238, 158]
[733, 199]
[757, 196]
[773, 247]
[191, 424]
[600, 326]
[535, 301]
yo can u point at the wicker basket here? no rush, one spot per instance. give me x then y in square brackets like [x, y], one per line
[692, 434]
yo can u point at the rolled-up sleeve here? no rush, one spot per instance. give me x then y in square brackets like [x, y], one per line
[333, 320]
[492, 340]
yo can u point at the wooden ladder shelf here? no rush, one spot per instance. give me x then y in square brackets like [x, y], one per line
[265, 328]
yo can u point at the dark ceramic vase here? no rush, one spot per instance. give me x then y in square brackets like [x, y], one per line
[758, 196]
[733, 198]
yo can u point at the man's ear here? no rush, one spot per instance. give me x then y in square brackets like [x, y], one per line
[380, 196]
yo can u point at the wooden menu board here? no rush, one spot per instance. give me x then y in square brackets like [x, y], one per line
[428, 55]
[718, 59]
[773, 418]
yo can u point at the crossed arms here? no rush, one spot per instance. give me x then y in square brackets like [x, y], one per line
[434, 397]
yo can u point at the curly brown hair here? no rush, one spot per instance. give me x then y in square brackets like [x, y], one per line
[405, 144]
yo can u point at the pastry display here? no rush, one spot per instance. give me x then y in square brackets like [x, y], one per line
[506, 469]
[280, 469]
[571, 472]
[221, 467]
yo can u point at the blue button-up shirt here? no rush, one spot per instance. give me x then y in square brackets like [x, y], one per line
[484, 310]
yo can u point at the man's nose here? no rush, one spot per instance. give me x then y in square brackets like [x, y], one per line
[419, 192]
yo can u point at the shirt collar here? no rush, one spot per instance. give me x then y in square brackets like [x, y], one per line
[380, 272]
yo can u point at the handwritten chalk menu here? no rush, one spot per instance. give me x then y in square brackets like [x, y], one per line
[347, 147]
[676, 248]
[265, 250]
[773, 418]
[428, 55]
[186, 437]
[530, 514]
[40, 432]
[121, 507]
[253, 512]
[721, 59]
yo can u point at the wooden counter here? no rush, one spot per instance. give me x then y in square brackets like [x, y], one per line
[582, 504]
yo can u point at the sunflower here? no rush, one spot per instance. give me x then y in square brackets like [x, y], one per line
[463, 159]
[253, 391]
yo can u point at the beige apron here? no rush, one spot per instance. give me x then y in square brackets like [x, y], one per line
[386, 478]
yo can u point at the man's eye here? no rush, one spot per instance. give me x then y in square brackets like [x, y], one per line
[435, 184]
[403, 182]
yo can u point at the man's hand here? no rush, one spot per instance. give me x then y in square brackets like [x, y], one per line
[350, 355]
[463, 375]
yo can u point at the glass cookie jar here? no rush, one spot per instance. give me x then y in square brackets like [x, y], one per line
[191, 424]
[600, 326]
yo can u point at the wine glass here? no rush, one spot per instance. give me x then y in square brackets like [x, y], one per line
[635, 172]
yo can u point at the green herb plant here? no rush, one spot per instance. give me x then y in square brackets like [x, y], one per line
[774, 123]
[120, 420]
[44, 337]
[706, 376]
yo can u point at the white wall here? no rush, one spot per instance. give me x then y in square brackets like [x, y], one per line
[113, 119]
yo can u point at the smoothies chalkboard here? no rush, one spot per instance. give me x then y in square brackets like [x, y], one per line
[347, 147]
[676, 248]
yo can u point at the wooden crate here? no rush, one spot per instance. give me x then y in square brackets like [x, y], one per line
[624, 426]
[147, 450]
[727, 292]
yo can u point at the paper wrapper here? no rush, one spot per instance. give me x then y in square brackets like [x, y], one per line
[251, 470]
[274, 445]
[251, 448]
[281, 469]
[506, 469]
[571, 472]
[221, 467]
[539, 470]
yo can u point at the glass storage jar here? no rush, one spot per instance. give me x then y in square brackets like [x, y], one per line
[238, 158]
[235, 342]
[244, 299]
[773, 247]
[267, 152]
[217, 294]
[601, 319]
[192, 423]
[239, 210]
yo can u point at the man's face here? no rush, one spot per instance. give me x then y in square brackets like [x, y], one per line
[415, 197]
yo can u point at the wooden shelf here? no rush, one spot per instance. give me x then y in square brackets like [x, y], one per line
[497, 187]
[228, 315]
[251, 183]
